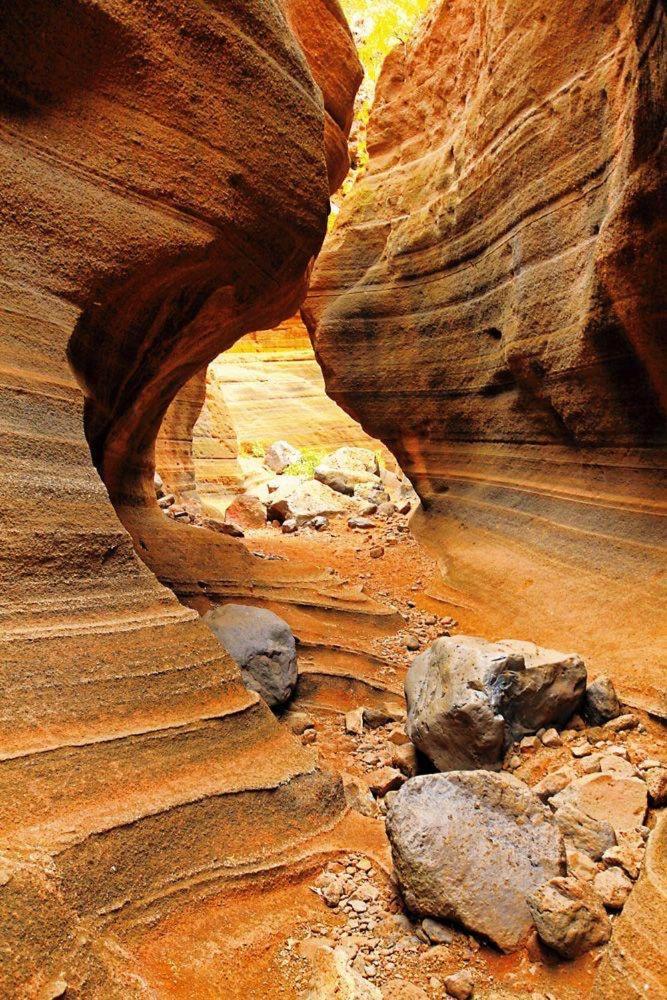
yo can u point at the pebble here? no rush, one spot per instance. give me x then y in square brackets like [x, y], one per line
[461, 985]
[623, 722]
[551, 738]
[412, 643]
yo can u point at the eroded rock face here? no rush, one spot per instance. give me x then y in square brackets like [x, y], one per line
[153, 209]
[467, 697]
[470, 847]
[498, 274]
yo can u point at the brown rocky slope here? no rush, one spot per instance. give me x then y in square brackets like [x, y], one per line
[490, 307]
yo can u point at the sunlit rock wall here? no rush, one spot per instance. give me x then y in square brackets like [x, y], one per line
[492, 305]
[163, 190]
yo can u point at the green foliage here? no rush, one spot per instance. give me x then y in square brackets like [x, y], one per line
[377, 26]
[253, 449]
[380, 25]
[310, 459]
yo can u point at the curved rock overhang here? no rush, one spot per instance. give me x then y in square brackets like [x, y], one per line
[165, 189]
[492, 306]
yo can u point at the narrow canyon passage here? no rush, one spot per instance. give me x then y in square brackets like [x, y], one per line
[350, 314]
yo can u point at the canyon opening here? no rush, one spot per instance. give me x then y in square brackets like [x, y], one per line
[332, 396]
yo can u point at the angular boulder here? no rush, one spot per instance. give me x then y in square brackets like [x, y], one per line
[470, 846]
[308, 500]
[280, 455]
[600, 702]
[467, 698]
[569, 916]
[263, 646]
[592, 836]
[247, 511]
[347, 467]
[607, 798]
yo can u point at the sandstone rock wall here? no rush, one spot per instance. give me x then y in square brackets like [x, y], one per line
[274, 390]
[164, 189]
[491, 304]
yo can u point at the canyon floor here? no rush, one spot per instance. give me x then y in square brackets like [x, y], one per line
[273, 934]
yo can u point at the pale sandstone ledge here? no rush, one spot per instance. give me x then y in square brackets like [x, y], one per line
[490, 306]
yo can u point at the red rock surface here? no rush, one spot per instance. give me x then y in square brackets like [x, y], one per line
[490, 306]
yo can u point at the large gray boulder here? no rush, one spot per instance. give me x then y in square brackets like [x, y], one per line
[468, 698]
[263, 646]
[470, 846]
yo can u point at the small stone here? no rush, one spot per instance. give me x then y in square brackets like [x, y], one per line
[318, 523]
[621, 723]
[649, 763]
[613, 888]
[376, 552]
[590, 764]
[514, 762]
[587, 834]
[310, 736]
[551, 738]
[460, 985]
[412, 643]
[246, 510]
[613, 764]
[600, 701]
[383, 780]
[405, 759]
[569, 917]
[374, 718]
[610, 798]
[298, 722]
[369, 509]
[358, 796]
[398, 737]
[579, 864]
[436, 932]
[363, 523]
[656, 782]
[528, 743]
[354, 722]
[358, 905]
[280, 455]
[222, 527]
[628, 854]
[551, 784]
[581, 750]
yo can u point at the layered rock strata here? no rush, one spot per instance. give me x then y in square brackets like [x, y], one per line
[490, 306]
[164, 191]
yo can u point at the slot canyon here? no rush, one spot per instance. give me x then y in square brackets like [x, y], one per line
[332, 437]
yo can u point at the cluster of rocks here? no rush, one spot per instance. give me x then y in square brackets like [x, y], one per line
[376, 939]
[348, 482]
[476, 845]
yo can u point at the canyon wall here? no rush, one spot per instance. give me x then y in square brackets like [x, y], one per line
[266, 387]
[492, 306]
[164, 190]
